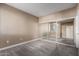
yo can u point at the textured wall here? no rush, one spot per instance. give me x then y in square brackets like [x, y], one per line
[16, 26]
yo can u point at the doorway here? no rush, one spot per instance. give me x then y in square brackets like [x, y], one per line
[67, 32]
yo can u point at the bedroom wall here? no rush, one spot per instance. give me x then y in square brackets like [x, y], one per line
[43, 29]
[77, 27]
[60, 16]
[16, 26]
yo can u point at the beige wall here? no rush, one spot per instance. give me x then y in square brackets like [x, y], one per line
[43, 28]
[59, 15]
[16, 26]
[77, 27]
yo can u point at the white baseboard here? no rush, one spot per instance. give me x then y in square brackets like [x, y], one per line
[18, 44]
[59, 43]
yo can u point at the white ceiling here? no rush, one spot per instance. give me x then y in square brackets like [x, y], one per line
[41, 9]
